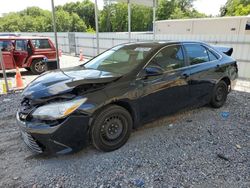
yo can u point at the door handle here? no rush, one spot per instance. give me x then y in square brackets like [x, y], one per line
[185, 76]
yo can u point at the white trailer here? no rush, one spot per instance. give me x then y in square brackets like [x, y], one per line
[239, 25]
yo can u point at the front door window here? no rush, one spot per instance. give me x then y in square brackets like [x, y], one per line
[21, 45]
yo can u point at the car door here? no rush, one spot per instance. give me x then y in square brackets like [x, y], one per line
[167, 92]
[20, 52]
[7, 54]
[203, 72]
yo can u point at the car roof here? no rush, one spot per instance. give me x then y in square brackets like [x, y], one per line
[158, 44]
[21, 37]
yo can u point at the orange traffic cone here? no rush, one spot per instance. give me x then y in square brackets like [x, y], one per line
[19, 80]
[60, 53]
[81, 58]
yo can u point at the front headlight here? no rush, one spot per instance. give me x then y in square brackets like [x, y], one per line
[57, 110]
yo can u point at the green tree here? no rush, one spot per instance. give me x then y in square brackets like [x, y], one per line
[236, 8]
[85, 10]
[117, 15]
[114, 17]
[177, 9]
[77, 24]
[34, 19]
[165, 9]
[177, 14]
[11, 22]
[79, 16]
[63, 21]
[67, 22]
[185, 5]
[141, 18]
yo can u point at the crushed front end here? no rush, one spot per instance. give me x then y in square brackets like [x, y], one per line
[60, 136]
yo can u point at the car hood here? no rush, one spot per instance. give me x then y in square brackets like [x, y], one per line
[65, 80]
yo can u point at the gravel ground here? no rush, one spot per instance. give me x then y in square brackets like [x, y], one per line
[193, 148]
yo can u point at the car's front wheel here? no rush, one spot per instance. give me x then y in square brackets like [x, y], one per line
[219, 95]
[111, 128]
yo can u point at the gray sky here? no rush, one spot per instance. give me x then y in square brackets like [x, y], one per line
[204, 6]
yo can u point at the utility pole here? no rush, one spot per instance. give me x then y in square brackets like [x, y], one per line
[129, 21]
[55, 32]
[97, 28]
[154, 18]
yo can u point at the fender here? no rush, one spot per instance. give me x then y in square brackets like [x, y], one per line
[127, 104]
[29, 61]
[132, 108]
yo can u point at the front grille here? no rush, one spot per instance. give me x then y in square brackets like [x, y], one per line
[30, 142]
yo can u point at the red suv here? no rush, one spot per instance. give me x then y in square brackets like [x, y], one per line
[37, 54]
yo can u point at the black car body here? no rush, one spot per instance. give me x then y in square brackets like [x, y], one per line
[162, 78]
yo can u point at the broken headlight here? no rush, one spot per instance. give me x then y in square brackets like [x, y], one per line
[57, 110]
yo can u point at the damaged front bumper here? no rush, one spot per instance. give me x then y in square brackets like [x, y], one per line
[70, 135]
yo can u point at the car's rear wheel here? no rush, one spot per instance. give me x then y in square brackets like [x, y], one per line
[219, 95]
[111, 128]
[38, 66]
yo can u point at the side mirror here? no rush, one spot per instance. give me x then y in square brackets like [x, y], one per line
[153, 71]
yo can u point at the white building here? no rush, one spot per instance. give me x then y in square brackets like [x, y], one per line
[212, 26]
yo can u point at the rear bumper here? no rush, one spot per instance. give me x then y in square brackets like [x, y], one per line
[69, 136]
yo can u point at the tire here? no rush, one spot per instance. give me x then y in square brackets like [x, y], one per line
[38, 66]
[219, 95]
[111, 128]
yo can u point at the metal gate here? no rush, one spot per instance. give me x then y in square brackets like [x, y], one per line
[72, 43]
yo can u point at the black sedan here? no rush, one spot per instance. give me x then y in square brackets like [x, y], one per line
[102, 100]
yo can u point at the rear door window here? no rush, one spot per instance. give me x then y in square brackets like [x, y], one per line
[196, 53]
[211, 55]
[41, 43]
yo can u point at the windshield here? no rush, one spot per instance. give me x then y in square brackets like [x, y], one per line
[121, 59]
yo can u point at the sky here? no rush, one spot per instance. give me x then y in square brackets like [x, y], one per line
[209, 7]
[205, 6]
